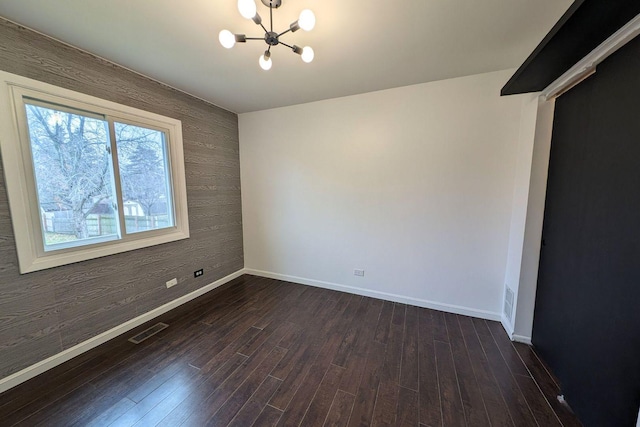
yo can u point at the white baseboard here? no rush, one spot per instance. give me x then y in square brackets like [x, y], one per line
[521, 338]
[506, 324]
[57, 359]
[511, 333]
[465, 311]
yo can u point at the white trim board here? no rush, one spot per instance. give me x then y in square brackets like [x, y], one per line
[450, 308]
[587, 65]
[68, 354]
[506, 324]
[510, 332]
[521, 339]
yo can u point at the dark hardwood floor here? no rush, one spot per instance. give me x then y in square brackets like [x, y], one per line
[264, 352]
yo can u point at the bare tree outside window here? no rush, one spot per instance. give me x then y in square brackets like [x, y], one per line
[144, 173]
[73, 172]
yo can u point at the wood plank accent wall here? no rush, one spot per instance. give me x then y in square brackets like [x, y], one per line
[45, 312]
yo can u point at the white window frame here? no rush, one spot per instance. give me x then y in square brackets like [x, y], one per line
[15, 148]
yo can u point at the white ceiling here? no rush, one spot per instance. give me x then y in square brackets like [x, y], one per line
[360, 45]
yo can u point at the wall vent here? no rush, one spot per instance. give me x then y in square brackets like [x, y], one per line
[508, 304]
[148, 333]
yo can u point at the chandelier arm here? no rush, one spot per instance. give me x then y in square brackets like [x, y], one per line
[254, 38]
[271, 16]
[263, 27]
[284, 44]
[284, 32]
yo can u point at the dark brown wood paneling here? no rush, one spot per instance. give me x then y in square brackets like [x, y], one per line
[340, 410]
[472, 401]
[45, 312]
[283, 374]
[429, 390]
[515, 400]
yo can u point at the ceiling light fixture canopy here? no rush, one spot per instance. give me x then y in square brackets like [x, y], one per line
[248, 9]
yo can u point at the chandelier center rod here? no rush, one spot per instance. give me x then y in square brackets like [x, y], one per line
[272, 3]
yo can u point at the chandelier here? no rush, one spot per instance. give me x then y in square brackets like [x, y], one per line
[247, 8]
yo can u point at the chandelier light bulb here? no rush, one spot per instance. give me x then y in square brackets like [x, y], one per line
[265, 63]
[307, 54]
[227, 39]
[247, 8]
[307, 20]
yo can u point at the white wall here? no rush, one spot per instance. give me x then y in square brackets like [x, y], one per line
[415, 185]
[537, 192]
[527, 213]
[520, 199]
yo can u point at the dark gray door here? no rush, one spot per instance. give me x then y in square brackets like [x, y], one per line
[587, 317]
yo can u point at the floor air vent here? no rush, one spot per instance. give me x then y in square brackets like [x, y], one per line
[148, 333]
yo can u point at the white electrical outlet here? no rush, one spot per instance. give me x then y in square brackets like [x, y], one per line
[171, 283]
[357, 272]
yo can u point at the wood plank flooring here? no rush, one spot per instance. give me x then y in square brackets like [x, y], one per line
[268, 353]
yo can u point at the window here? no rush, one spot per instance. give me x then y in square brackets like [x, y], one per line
[87, 177]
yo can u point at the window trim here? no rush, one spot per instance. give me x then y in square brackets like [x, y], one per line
[20, 180]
